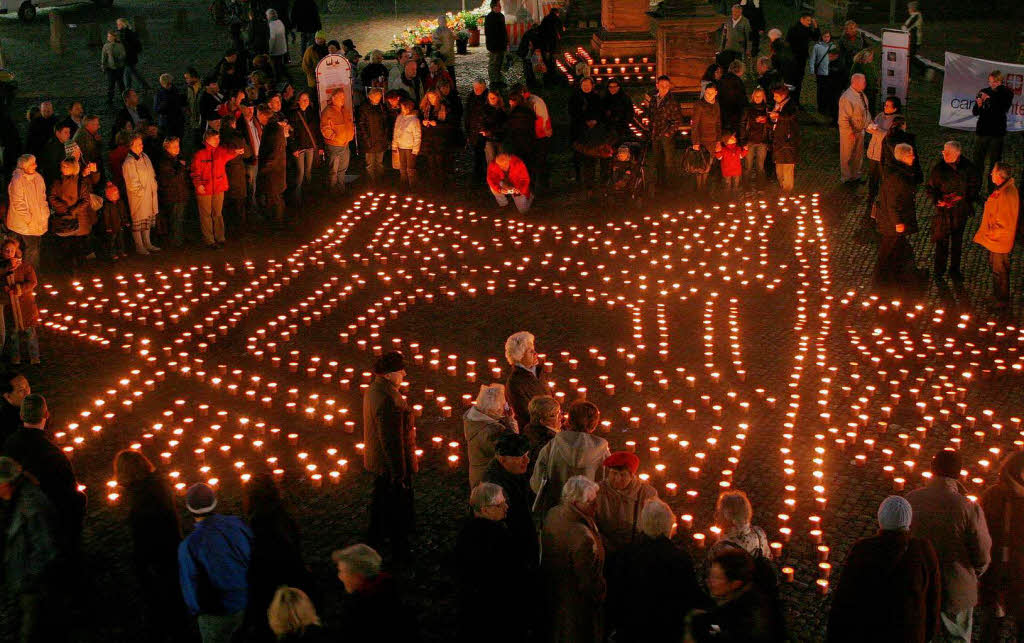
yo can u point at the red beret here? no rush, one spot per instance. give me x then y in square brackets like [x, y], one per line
[623, 459]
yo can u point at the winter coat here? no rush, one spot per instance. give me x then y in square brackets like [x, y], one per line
[69, 200]
[494, 31]
[273, 173]
[522, 386]
[752, 132]
[889, 591]
[336, 126]
[113, 56]
[583, 107]
[785, 135]
[665, 115]
[156, 534]
[538, 435]
[209, 169]
[276, 555]
[169, 107]
[754, 15]
[749, 538]
[277, 45]
[310, 59]
[520, 506]
[896, 201]
[706, 124]
[488, 573]
[520, 132]
[28, 212]
[304, 131]
[30, 547]
[955, 526]
[542, 125]
[732, 100]
[140, 187]
[238, 183]
[1003, 582]
[213, 563]
[376, 613]
[517, 177]
[10, 419]
[652, 586]
[388, 432]
[731, 157]
[618, 512]
[113, 216]
[132, 45]
[124, 120]
[48, 161]
[435, 139]
[992, 113]
[492, 121]
[946, 181]
[25, 276]
[373, 127]
[850, 47]
[748, 615]
[92, 149]
[568, 454]
[618, 112]
[736, 37]
[800, 39]
[882, 122]
[482, 432]
[854, 113]
[444, 44]
[172, 180]
[257, 36]
[999, 220]
[572, 566]
[305, 16]
[407, 133]
[818, 62]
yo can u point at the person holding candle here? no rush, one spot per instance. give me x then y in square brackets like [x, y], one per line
[483, 423]
[508, 470]
[523, 383]
[785, 139]
[213, 566]
[953, 185]
[652, 584]
[620, 498]
[373, 609]
[572, 566]
[507, 176]
[890, 583]
[956, 527]
[390, 439]
[733, 514]
[574, 450]
[545, 423]
[998, 230]
[30, 550]
[156, 534]
[741, 610]
[1001, 590]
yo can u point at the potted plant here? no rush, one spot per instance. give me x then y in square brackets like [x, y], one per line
[473, 29]
[462, 41]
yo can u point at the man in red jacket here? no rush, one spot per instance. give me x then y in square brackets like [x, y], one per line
[211, 182]
[507, 176]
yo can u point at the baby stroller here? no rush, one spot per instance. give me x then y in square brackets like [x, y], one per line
[629, 178]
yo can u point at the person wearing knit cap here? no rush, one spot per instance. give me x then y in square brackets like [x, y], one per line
[956, 527]
[1002, 586]
[620, 499]
[213, 566]
[312, 55]
[890, 587]
[508, 470]
[390, 439]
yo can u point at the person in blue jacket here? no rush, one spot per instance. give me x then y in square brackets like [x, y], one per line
[213, 563]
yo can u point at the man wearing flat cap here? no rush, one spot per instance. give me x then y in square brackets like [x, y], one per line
[390, 454]
[620, 499]
[508, 470]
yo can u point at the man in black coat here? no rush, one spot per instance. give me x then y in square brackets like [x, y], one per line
[14, 388]
[508, 470]
[272, 179]
[551, 29]
[130, 116]
[132, 49]
[953, 186]
[732, 96]
[991, 106]
[473, 122]
[618, 109]
[754, 14]
[372, 126]
[896, 217]
[800, 38]
[497, 44]
[665, 117]
[30, 447]
[53, 153]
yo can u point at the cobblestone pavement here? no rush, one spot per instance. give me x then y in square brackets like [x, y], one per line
[742, 342]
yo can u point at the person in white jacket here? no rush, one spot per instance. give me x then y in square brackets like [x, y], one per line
[278, 46]
[140, 188]
[28, 213]
[572, 452]
[406, 142]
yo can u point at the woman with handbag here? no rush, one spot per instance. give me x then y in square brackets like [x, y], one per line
[20, 284]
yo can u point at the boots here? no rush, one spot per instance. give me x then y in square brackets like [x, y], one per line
[140, 247]
[149, 244]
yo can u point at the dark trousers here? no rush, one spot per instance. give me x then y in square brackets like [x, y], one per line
[874, 181]
[538, 163]
[238, 208]
[115, 81]
[1000, 262]
[479, 160]
[988, 148]
[35, 618]
[947, 252]
[664, 148]
[799, 80]
[391, 514]
[895, 256]
[275, 205]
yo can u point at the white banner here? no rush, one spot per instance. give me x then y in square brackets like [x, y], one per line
[334, 70]
[964, 78]
[895, 64]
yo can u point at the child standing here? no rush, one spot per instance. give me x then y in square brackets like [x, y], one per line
[405, 143]
[731, 156]
[113, 219]
[20, 285]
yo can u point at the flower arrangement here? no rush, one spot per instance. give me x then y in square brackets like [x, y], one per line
[420, 34]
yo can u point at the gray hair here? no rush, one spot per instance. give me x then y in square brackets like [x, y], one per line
[485, 494]
[734, 507]
[491, 399]
[861, 76]
[579, 489]
[516, 346]
[953, 145]
[774, 34]
[359, 559]
[271, 14]
[902, 151]
[542, 406]
[737, 67]
[24, 159]
[656, 519]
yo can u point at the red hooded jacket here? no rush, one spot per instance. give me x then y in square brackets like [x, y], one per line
[517, 175]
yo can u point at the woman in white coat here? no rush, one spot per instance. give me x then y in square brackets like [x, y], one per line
[140, 188]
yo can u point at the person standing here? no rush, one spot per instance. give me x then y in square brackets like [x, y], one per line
[14, 387]
[1001, 589]
[914, 25]
[851, 43]
[390, 438]
[991, 106]
[373, 133]
[169, 107]
[132, 48]
[549, 34]
[497, 44]
[272, 179]
[827, 86]
[706, 128]
[956, 528]
[573, 451]
[277, 46]
[896, 217]
[755, 135]
[373, 609]
[312, 55]
[337, 128]
[854, 118]
[210, 179]
[483, 423]
[306, 20]
[141, 189]
[28, 213]
[112, 61]
[800, 38]
[523, 383]
[444, 44]
[998, 230]
[620, 498]
[666, 118]
[735, 37]
[785, 137]
[473, 114]
[537, 160]
[545, 423]
[879, 129]
[405, 143]
[732, 96]
[754, 14]
[304, 144]
[172, 188]
[213, 565]
[953, 186]
[508, 469]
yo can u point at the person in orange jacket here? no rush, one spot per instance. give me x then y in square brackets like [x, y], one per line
[507, 176]
[210, 179]
[998, 229]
